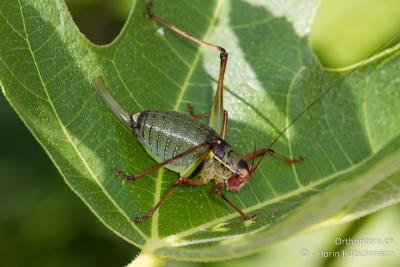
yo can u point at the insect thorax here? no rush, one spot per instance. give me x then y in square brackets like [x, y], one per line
[226, 160]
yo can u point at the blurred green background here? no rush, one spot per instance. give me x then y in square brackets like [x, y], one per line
[42, 220]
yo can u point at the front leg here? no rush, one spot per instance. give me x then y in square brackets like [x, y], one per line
[268, 150]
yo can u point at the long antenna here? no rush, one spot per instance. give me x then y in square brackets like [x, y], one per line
[328, 90]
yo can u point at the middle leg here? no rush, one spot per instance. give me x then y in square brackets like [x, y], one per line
[218, 188]
[177, 182]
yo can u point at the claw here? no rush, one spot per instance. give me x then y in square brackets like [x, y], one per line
[140, 219]
[123, 175]
[252, 218]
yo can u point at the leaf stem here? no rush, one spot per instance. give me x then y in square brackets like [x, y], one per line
[147, 259]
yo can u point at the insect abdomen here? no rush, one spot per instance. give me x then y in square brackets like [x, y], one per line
[168, 133]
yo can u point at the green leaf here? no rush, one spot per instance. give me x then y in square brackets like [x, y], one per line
[351, 136]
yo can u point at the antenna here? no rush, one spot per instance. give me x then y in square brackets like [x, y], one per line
[334, 85]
